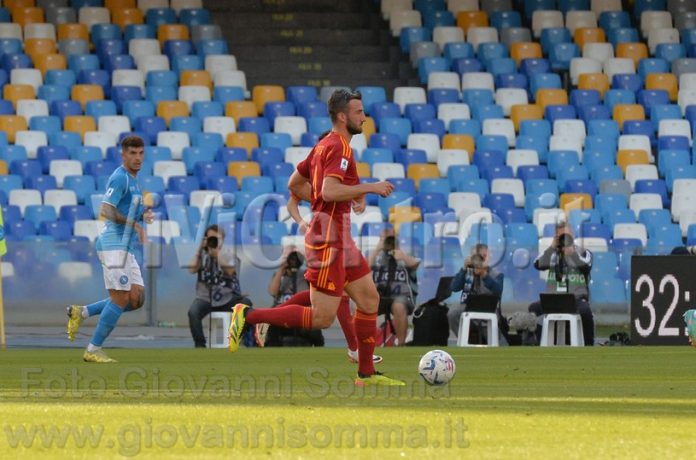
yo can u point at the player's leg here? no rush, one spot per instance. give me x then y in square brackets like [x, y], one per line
[345, 319]
[400, 317]
[78, 313]
[261, 329]
[124, 282]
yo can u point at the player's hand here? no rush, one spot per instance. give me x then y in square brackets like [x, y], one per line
[148, 216]
[303, 226]
[358, 206]
[383, 188]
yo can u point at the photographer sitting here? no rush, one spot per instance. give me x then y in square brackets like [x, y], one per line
[394, 273]
[475, 277]
[287, 281]
[217, 284]
[569, 269]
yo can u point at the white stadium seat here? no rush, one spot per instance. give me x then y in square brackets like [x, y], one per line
[514, 187]
[451, 157]
[169, 168]
[167, 229]
[449, 111]
[193, 94]
[29, 108]
[294, 126]
[384, 171]
[100, 139]
[60, 198]
[88, 228]
[93, 15]
[30, 77]
[294, 155]
[220, 125]
[114, 124]
[636, 231]
[409, 95]
[500, 127]
[143, 47]
[640, 201]
[425, 141]
[507, 97]
[23, 198]
[177, 141]
[61, 168]
[31, 140]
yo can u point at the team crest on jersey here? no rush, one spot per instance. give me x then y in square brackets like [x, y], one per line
[344, 164]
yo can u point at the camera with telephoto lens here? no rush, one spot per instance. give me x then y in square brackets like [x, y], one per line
[564, 240]
[389, 245]
[294, 261]
[211, 242]
[475, 261]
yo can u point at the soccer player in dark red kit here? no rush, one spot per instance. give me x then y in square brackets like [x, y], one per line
[328, 179]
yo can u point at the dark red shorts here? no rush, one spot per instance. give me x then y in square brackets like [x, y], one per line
[329, 269]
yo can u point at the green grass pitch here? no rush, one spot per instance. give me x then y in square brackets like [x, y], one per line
[611, 402]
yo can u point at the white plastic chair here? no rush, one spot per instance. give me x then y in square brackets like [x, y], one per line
[114, 124]
[220, 125]
[578, 19]
[60, 198]
[169, 168]
[384, 171]
[62, 168]
[616, 66]
[514, 187]
[294, 126]
[500, 127]
[546, 19]
[23, 198]
[507, 97]
[451, 157]
[93, 15]
[193, 94]
[177, 141]
[425, 141]
[31, 140]
[478, 35]
[409, 95]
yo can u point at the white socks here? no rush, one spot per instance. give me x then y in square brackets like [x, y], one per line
[85, 312]
[92, 348]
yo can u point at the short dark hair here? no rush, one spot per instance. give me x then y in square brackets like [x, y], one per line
[216, 228]
[132, 141]
[340, 99]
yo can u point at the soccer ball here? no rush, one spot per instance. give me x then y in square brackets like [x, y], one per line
[437, 367]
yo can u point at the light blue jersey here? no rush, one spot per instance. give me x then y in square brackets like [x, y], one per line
[122, 192]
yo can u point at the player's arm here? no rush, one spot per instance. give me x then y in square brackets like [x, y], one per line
[299, 186]
[333, 190]
[293, 207]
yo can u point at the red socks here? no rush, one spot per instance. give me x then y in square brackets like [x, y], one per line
[345, 319]
[289, 316]
[365, 330]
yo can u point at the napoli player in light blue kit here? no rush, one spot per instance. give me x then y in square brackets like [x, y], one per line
[123, 233]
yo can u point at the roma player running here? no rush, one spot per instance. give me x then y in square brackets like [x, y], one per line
[123, 210]
[328, 179]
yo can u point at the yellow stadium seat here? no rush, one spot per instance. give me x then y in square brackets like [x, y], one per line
[625, 158]
[664, 81]
[525, 50]
[369, 128]
[68, 31]
[418, 171]
[241, 169]
[468, 19]
[522, 112]
[47, 62]
[113, 5]
[404, 214]
[85, 93]
[28, 15]
[570, 201]
[266, 93]
[171, 109]
[127, 16]
[10, 124]
[596, 81]
[3, 168]
[16, 92]
[459, 141]
[37, 46]
[634, 51]
[172, 32]
[14, 4]
[363, 169]
[585, 35]
[196, 78]
[249, 141]
[79, 124]
[623, 112]
[546, 97]
[240, 109]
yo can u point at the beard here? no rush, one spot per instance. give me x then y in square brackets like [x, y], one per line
[353, 129]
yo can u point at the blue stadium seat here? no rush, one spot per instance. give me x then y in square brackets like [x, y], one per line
[468, 127]
[401, 127]
[98, 109]
[622, 35]
[211, 141]
[673, 143]
[478, 97]
[419, 112]
[275, 170]
[66, 139]
[559, 112]
[258, 125]
[210, 47]
[85, 154]
[223, 184]
[465, 65]
[551, 36]
[405, 185]
[642, 127]
[439, 185]
[505, 19]
[669, 158]
[501, 66]
[486, 52]
[411, 35]
[187, 62]
[459, 173]
[657, 186]
[83, 186]
[58, 229]
[618, 96]
[189, 125]
[20, 230]
[278, 140]
[15, 61]
[96, 77]
[649, 98]
[70, 214]
[57, 77]
[526, 173]
[267, 155]
[257, 185]
[312, 109]
[434, 126]
[679, 172]
[647, 66]
[628, 81]
[123, 94]
[606, 128]
[386, 203]
[561, 54]
[614, 20]
[386, 140]
[498, 203]
[42, 183]
[47, 124]
[512, 80]
[134, 109]
[588, 113]
[411, 156]
[203, 109]
[427, 65]
[442, 95]
[225, 94]
[64, 109]
[151, 127]
[619, 216]
[183, 184]
[496, 172]
[100, 168]
[610, 203]
[193, 155]
[581, 186]
[26, 168]
[377, 155]
[382, 110]
[51, 93]
[319, 125]
[582, 97]
[480, 186]
[561, 160]
[228, 154]
[45, 154]
[602, 173]
[109, 47]
[458, 50]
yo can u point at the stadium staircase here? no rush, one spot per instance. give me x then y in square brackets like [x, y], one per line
[313, 42]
